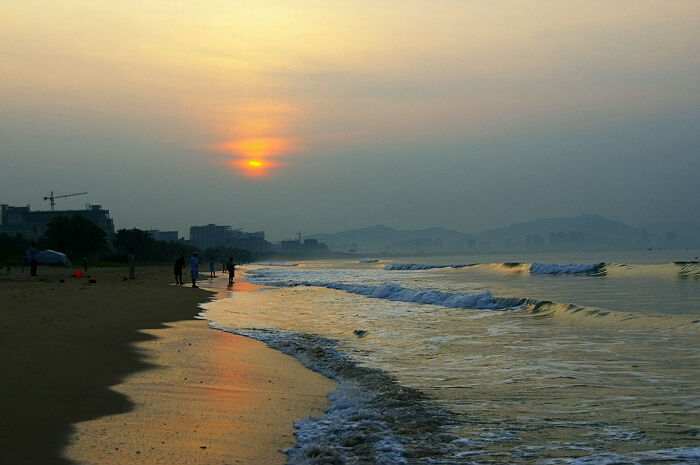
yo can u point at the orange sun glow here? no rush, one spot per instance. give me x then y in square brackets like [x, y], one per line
[256, 168]
[254, 154]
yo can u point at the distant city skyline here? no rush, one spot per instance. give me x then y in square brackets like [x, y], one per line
[322, 117]
[219, 233]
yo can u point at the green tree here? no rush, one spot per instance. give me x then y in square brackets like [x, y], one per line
[77, 237]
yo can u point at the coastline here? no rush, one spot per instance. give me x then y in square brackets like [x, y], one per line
[73, 351]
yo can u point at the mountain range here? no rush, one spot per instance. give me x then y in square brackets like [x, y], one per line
[586, 232]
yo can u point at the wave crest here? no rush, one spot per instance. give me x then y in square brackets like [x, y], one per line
[553, 268]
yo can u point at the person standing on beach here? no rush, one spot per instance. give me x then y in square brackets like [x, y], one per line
[24, 261]
[132, 263]
[32, 257]
[194, 269]
[211, 267]
[179, 265]
[231, 267]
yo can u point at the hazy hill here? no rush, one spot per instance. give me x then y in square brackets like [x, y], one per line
[585, 232]
[382, 238]
[585, 224]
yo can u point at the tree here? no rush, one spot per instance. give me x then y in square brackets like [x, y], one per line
[146, 247]
[142, 242]
[12, 247]
[77, 237]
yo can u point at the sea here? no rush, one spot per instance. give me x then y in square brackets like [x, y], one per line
[590, 358]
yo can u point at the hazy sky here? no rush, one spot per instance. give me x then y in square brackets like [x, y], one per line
[321, 116]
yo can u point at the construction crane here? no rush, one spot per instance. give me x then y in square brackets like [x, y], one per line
[52, 197]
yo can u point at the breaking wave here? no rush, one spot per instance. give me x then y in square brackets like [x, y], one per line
[688, 269]
[395, 292]
[542, 268]
[415, 266]
[535, 268]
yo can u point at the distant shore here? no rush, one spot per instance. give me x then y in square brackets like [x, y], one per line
[67, 347]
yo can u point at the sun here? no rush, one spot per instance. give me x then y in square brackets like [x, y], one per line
[254, 156]
[255, 168]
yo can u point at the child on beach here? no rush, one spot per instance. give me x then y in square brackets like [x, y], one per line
[211, 267]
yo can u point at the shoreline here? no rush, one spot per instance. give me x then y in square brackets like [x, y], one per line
[69, 348]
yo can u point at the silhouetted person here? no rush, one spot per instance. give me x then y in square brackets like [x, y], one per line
[179, 265]
[32, 257]
[24, 261]
[194, 268]
[211, 267]
[231, 267]
[132, 263]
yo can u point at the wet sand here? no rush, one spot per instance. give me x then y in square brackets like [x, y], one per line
[81, 383]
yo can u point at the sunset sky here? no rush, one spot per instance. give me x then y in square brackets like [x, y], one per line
[321, 116]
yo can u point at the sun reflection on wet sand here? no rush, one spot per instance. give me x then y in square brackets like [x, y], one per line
[211, 397]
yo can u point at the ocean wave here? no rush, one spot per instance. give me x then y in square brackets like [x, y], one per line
[371, 418]
[688, 269]
[535, 268]
[553, 268]
[277, 264]
[374, 419]
[417, 267]
[680, 455]
[395, 292]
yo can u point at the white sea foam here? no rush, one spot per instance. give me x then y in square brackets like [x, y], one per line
[371, 419]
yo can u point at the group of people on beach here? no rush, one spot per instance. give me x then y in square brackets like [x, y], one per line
[194, 269]
[230, 266]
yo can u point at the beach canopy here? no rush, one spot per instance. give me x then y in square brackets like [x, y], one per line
[51, 257]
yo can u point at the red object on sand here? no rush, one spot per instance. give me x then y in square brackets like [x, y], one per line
[78, 274]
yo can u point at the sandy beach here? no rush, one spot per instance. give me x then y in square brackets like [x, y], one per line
[120, 371]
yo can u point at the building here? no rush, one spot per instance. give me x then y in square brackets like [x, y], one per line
[310, 246]
[167, 236]
[211, 236]
[32, 224]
